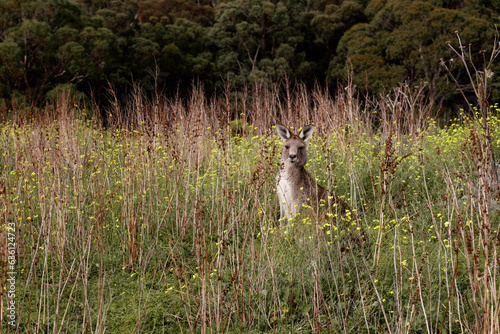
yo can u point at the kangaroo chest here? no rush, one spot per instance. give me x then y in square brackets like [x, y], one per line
[290, 190]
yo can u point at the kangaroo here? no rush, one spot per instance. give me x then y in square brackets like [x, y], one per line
[294, 185]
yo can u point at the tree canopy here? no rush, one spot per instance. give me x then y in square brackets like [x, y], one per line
[88, 45]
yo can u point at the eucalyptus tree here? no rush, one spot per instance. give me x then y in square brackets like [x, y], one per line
[405, 41]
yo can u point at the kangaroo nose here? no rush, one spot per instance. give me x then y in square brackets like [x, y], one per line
[293, 156]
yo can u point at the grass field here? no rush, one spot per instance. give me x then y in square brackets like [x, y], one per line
[166, 219]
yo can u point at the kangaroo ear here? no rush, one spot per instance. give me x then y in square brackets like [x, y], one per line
[306, 132]
[283, 132]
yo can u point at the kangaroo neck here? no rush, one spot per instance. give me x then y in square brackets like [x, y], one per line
[293, 170]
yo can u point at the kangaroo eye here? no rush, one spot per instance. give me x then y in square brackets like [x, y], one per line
[301, 148]
[287, 147]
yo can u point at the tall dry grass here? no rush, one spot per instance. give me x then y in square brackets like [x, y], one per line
[164, 217]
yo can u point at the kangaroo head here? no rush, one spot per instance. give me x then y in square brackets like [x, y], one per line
[294, 145]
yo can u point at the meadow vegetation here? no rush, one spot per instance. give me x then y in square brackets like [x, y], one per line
[166, 219]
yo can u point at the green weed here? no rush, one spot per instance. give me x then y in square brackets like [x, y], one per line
[167, 221]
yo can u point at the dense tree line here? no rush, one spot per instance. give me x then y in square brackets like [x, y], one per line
[90, 45]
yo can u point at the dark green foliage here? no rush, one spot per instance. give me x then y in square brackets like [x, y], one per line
[95, 44]
[405, 41]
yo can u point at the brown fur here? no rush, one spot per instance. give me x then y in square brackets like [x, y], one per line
[294, 184]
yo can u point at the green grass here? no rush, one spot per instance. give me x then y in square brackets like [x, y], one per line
[170, 227]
